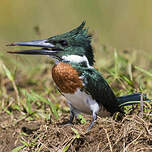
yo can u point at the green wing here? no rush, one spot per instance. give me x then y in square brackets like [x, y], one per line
[99, 89]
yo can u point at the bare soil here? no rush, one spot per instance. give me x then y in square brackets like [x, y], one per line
[132, 133]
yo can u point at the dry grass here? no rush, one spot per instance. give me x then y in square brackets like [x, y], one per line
[131, 134]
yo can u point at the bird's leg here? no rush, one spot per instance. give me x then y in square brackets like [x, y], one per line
[71, 116]
[94, 118]
[69, 122]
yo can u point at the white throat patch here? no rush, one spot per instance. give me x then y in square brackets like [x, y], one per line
[76, 59]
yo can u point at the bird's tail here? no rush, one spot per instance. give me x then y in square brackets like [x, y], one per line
[132, 99]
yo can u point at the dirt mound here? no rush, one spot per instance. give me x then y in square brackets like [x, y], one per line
[131, 134]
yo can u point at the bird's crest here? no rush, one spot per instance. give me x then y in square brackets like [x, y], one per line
[78, 33]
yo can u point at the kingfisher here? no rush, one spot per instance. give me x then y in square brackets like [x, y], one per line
[75, 76]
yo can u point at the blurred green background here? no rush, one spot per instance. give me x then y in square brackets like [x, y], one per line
[118, 24]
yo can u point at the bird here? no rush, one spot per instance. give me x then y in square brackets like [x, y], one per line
[75, 76]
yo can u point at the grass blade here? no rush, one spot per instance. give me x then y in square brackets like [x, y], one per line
[18, 148]
[144, 71]
[11, 78]
[47, 101]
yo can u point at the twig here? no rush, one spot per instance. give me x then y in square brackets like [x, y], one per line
[124, 141]
[141, 106]
[134, 140]
[108, 139]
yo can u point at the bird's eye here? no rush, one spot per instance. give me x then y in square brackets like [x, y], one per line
[63, 43]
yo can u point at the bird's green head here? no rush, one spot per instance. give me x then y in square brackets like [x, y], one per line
[73, 46]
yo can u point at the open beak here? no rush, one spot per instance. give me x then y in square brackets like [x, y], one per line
[46, 47]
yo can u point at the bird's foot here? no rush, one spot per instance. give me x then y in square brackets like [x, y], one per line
[90, 126]
[67, 123]
[92, 122]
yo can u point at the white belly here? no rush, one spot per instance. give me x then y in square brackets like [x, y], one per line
[82, 102]
[85, 104]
